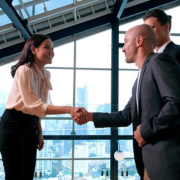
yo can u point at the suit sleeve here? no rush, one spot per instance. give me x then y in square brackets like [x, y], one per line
[117, 119]
[166, 72]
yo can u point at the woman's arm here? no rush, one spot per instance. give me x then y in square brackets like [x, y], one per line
[65, 110]
[40, 137]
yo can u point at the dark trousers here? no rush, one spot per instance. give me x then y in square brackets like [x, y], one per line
[18, 144]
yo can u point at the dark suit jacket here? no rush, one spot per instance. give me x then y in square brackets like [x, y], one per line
[159, 116]
[173, 50]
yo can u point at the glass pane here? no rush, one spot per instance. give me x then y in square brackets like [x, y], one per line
[54, 4]
[121, 38]
[30, 10]
[53, 169]
[93, 90]
[90, 169]
[15, 2]
[2, 173]
[175, 19]
[127, 170]
[62, 83]
[64, 56]
[56, 149]
[57, 127]
[95, 51]
[4, 20]
[129, 25]
[175, 39]
[92, 149]
[39, 8]
[5, 85]
[24, 1]
[122, 62]
[126, 82]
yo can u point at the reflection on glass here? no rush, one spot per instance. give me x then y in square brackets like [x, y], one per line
[122, 62]
[64, 56]
[57, 127]
[90, 169]
[92, 149]
[59, 169]
[95, 51]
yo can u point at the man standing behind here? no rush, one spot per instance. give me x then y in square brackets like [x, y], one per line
[153, 109]
[161, 23]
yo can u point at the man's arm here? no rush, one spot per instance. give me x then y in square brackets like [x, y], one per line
[117, 119]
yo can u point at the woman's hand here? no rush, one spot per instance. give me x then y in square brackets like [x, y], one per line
[40, 142]
[79, 116]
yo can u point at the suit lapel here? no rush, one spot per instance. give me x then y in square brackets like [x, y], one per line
[169, 47]
[140, 84]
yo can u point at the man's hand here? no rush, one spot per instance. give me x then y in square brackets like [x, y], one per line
[78, 116]
[138, 137]
[88, 116]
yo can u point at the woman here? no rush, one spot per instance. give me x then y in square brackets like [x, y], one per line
[28, 101]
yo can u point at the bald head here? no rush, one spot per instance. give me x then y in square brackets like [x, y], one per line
[146, 32]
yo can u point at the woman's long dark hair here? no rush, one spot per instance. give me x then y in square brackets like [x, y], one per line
[27, 55]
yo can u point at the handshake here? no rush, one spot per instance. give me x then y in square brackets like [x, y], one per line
[81, 116]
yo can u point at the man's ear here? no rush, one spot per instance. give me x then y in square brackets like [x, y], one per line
[167, 25]
[139, 41]
[33, 50]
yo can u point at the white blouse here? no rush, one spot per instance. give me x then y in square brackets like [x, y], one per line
[30, 90]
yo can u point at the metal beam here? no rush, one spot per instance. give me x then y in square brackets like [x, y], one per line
[143, 7]
[15, 18]
[119, 7]
[69, 31]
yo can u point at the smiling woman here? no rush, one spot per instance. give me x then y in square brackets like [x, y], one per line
[28, 101]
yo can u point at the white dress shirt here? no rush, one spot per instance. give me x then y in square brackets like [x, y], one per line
[30, 90]
[161, 49]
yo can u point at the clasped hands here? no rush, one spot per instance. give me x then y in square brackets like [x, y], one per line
[81, 116]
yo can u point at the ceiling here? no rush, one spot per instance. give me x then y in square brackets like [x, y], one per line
[19, 19]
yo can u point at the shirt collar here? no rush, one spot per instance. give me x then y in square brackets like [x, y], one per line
[161, 49]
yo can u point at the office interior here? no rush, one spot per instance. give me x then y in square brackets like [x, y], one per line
[88, 70]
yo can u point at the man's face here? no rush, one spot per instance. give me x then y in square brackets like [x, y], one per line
[160, 30]
[129, 47]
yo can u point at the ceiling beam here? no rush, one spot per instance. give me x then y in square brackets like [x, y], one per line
[18, 23]
[63, 33]
[119, 7]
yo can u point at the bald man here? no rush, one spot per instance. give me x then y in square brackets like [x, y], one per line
[153, 109]
[161, 23]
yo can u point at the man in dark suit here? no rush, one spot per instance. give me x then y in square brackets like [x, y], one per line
[153, 109]
[161, 23]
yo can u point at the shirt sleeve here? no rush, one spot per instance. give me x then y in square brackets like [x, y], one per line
[26, 85]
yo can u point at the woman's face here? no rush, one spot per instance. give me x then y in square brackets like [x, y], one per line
[44, 53]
